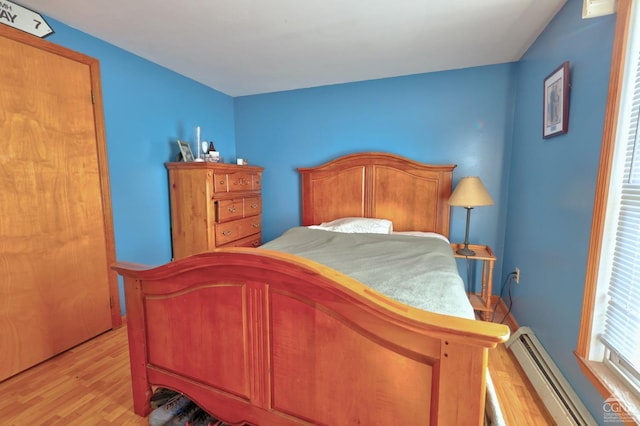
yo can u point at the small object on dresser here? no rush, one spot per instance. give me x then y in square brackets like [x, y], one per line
[199, 158]
[185, 150]
[213, 155]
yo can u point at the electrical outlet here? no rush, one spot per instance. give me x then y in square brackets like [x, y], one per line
[517, 275]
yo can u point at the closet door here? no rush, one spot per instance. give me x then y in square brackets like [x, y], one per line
[56, 232]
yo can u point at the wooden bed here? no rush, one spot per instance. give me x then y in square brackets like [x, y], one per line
[266, 338]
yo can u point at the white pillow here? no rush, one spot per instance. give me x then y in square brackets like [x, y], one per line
[424, 234]
[355, 225]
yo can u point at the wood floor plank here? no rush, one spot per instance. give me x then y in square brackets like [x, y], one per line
[519, 402]
[86, 385]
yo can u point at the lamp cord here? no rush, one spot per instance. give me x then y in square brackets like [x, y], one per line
[508, 280]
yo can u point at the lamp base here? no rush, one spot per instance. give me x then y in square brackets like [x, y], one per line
[465, 251]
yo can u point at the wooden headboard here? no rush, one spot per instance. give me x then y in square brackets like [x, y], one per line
[413, 195]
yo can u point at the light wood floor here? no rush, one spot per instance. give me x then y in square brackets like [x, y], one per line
[90, 385]
[86, 385]
[519, 402]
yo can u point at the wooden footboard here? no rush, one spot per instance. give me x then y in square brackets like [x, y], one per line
[266, 338]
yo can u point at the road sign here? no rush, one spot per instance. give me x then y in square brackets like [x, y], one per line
[20, 17]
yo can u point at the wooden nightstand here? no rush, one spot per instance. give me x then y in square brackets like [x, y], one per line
[480, 302]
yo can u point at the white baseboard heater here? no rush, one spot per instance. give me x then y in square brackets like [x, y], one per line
[556, 393]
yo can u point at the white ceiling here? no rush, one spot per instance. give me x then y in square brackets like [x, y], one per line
[244, 47]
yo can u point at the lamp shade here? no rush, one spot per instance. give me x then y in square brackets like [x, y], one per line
[470, 192]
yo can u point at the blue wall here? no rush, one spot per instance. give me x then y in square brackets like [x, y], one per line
[461, 117]
[552, 186]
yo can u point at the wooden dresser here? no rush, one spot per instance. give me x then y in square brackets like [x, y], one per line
[214, 205]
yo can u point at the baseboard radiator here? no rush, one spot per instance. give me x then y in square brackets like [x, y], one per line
[556, 393]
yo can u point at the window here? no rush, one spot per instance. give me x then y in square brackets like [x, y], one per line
[609, 340]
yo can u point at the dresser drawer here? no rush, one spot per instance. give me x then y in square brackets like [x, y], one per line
[227, 210]
[250, 241]
[236, 182]
[231, 231]
[252, 206]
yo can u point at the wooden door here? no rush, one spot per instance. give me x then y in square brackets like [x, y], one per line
[56, 231]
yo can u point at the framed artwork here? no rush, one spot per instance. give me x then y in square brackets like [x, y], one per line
[555, 110]
[185, 150]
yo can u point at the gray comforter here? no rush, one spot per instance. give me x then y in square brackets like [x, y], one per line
[417, 271]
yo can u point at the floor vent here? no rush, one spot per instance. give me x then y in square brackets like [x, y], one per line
[558, 396]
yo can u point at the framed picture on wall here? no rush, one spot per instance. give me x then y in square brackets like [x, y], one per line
[555, 110]
[185, 150]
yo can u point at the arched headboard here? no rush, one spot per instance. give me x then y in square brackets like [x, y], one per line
[413, 195]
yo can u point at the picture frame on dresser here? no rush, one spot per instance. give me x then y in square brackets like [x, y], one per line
[185, 150]
[555, 108]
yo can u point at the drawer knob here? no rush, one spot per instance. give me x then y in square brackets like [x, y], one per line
[256, 243]
[254, 205]
[226, 232]
[256, 225]
[232, 209]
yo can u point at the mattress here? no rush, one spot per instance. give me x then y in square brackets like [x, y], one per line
[418, 271]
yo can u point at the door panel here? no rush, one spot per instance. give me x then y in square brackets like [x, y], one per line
[54, 234]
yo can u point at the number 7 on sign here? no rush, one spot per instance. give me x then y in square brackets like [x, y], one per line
[23, 19]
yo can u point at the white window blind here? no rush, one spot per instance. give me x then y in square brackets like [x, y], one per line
[622, 318]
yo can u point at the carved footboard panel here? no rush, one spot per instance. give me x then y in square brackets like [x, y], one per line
[266, 338]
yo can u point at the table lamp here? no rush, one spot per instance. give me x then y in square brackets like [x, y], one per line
[469, 193]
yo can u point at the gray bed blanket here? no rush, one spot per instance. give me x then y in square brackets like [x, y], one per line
[417, 271]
